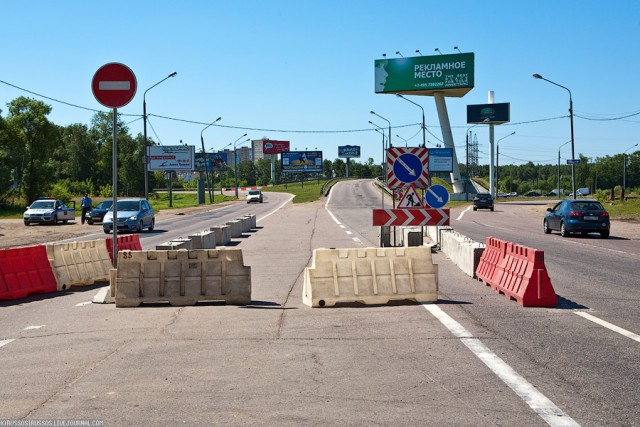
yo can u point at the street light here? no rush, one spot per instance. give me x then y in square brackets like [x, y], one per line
[498, 159]
[573, 154]
[559, 166]
[384, 161]
[235, 155]
[204, 158]
[624, 170]
[424, 127]
[144, 120]
[376, 114]
[406, 143]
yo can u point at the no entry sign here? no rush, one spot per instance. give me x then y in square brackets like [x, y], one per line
[114, 85]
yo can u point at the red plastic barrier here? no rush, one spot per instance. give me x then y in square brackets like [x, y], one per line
[129, 242]
[25, 271]
[519, 274]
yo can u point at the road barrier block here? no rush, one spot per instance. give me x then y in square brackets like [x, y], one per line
[25, 271]
[246, 223]
[182, 277]
[235, 228]
[79, 263]
[223, 234]
[518, 272]
[370, 276]
[253, 220]
[174, 245]
[130, 242]
[203, 240]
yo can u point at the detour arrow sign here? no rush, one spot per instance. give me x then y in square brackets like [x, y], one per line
[410, 217]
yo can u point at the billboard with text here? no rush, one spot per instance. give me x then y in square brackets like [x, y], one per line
[171, 157]
[215, 161]
[349, 151]
[274, 147]
[302, 161]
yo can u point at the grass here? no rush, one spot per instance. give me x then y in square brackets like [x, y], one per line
[308, 191]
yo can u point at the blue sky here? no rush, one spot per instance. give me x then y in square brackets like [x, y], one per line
[304, 71]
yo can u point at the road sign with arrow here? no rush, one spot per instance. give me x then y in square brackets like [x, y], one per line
[406, 166]
[436, 196]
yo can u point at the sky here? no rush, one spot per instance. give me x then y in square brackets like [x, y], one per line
[303, 71]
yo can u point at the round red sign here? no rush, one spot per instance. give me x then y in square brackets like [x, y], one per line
[114, 85]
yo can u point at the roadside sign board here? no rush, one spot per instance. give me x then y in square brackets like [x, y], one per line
[573, 161]
[436, 196]
[407, 165]
[114, 85]
[171, 158]
[410, 199]
[440, 160]
[270, 146]
[491, 114]
[215, 161]
[302, 161]
[410, 217]
[348, 151]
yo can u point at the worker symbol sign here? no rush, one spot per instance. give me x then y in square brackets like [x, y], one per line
[411, 199]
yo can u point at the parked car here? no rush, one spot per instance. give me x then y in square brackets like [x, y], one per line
[254, 196]
[133, 215]
[577, 216]
[97, 214]
[483, 201]
[48, 210]
[532, 194]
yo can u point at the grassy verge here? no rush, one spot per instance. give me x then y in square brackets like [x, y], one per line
[303, 192]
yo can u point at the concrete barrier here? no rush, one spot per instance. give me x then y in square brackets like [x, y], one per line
[79, 263]
[203, 240]
[370, 276]
[246, 223]
[235, 228]
[254, 221]
[222, 233]
[182, 277]
[462, 251]
[175, 244]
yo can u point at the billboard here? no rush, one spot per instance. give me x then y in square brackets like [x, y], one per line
[349, 151]
[215, 161]
[440, 160]
[489, 113]
[424, 75]
[302, 161]
[171, 157]
[274, 147]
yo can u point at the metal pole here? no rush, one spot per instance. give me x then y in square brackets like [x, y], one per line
[573, 156]
[114, 178]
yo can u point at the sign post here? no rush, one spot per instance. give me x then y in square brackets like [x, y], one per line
[114, 85]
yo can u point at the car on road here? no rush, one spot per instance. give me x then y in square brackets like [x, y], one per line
[254, 196]
[133, 215]
[577, 216]
[532, 194]
[48, 210]
[97, 214]
[483, 201]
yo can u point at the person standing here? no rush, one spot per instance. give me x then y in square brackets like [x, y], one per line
[85, 203]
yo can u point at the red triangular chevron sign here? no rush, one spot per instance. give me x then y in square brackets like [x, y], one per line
[410, 217]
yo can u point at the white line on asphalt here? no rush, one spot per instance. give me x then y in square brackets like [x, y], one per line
[348, 232]
[80, 304]
[540, 404]
[28, 328]
[355, 239]
[5, 342]
[600, 248]
[462, 213]
[275, 210]
[608, 325]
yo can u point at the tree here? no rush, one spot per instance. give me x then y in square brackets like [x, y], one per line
[339, 168]
[247, 172]
[37, 138]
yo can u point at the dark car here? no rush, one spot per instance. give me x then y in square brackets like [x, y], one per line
[97, 214]
[577, 216]
[483, 201]
[533, 194]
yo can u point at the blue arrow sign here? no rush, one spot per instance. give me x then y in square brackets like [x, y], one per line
[436, 196]
[407, 167]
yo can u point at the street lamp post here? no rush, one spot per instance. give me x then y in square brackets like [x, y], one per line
[624, 171]
[376, 114]
[384, 161]
[559, 166]
[204, 158]
[424, 126]
[406, 143]
[497, 159]
[235, 168]
[573, 154]
[144, 120]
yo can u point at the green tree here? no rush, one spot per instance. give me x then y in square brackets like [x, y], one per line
[247, 172]
[339, 168]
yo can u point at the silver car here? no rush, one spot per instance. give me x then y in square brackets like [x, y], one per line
[133, 215]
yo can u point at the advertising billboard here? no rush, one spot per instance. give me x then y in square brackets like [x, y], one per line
[215, 161]
[349, 151]
[495, 114]
[440, 160]
[274, 147]
[171, 157]
[423, 75]
[302, 161]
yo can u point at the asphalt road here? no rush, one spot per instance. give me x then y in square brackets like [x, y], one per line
[473, 358]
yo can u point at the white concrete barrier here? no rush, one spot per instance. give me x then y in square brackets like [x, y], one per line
[203, 240]
[254, 221]
[246, 223]
[370, 276]
[79, 263]
[235, 227]
[462, 251]
[182, 277]
[222, 233]
[175, 245]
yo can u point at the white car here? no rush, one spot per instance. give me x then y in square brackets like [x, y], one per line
[48, 210]
[254, 196]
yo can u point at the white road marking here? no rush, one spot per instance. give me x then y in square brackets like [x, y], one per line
[462, 213]
[5, 342]
[83, 303]
[594, 246]
[537, 401]
[276, 209]
[28, 328]
[348, 232]
[355, 239]
[114, 85]
[608, 325]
